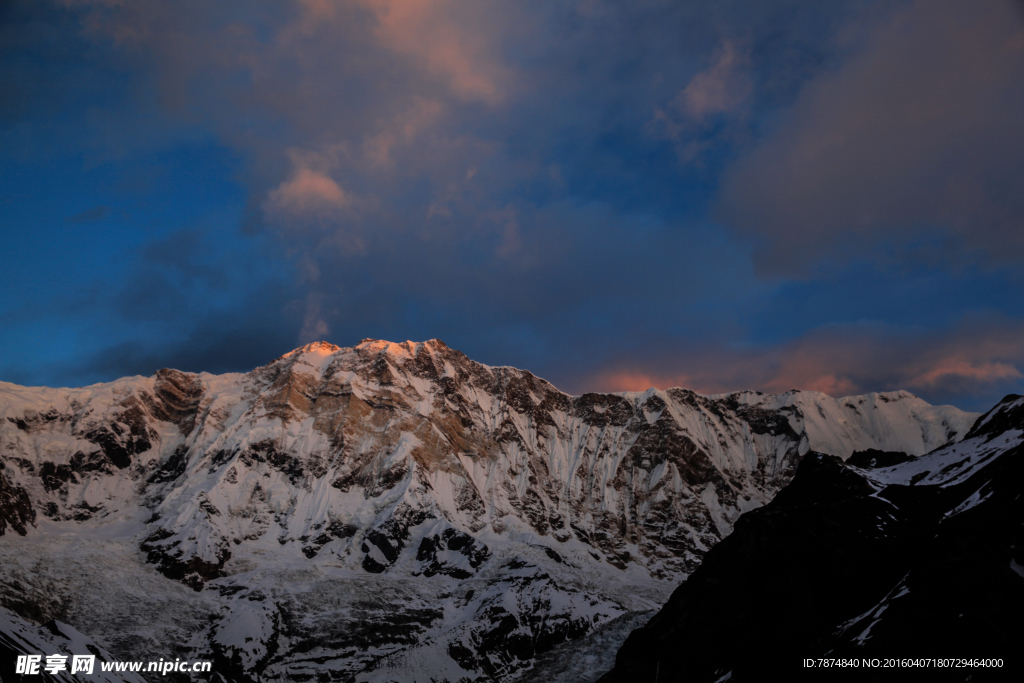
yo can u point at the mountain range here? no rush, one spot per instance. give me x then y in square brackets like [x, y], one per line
[399, 512]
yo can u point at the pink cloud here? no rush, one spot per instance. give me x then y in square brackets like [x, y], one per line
[720, 88]
[838, 362]
[308, 191]
[447, 39]
[311, 202]
[627, 380]
[960, 368]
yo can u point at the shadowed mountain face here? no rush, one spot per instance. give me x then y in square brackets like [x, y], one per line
[389, 511]
[922, 558]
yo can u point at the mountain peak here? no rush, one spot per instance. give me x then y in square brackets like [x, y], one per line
[406, 348]
[321, 348]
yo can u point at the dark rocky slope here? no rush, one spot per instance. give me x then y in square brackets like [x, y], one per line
[918, 559]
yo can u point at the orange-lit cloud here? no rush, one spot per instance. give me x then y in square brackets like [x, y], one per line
[956, 367]
[447, 39]
[839, 363]
[712, 382]
[308, 191]
[310, 201]
[627, 380]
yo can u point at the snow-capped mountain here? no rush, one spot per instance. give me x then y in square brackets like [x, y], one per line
[390, 511]
[916, 564]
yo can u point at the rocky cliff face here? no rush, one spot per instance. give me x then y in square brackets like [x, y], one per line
[877, 558]
[392, 508]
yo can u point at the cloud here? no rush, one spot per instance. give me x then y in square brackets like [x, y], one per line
[314, 326]
[720, 88]
[91, 216]
[439, 114]
[238, 338]
[489, 174]
[981, 358]
[450, 39]
[308, 192]
[401, 129]
[311, 210]
[712, 109]
[957, 368]
[915, 136]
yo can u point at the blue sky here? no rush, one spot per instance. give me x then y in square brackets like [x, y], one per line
[614, 195]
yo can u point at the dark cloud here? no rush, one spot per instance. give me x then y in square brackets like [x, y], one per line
[915, 136]
[95, 214]
[238, 338]
[34, 38]
[177, 275]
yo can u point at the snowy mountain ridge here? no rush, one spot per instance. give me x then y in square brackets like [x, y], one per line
[413, 464]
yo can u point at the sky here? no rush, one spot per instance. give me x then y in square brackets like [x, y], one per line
[718, 195]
